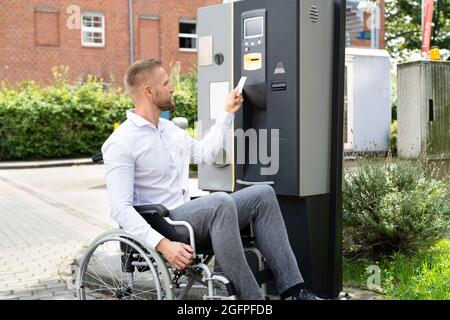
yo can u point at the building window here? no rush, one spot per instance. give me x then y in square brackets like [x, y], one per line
[188, 35]
[93, 30]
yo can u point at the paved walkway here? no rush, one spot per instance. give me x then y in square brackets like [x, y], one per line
[39, 236]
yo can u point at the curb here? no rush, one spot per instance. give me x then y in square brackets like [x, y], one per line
[5, 165]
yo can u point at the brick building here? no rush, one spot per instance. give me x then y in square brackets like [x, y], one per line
[93, 37]
[365, 29]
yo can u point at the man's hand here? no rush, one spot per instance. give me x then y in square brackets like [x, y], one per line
[234, 101]
[178, 254]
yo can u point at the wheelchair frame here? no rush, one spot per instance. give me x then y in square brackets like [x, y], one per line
[136, 258]
[164, 276]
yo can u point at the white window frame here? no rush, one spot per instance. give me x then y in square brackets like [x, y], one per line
[349, 145]
[188, 35]
[93, 29]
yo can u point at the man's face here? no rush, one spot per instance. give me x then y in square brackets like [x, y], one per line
[162, 91]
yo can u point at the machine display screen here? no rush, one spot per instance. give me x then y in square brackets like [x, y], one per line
[253, 27]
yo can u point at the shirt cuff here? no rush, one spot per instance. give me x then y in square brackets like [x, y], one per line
[225, 119]
[154, 238]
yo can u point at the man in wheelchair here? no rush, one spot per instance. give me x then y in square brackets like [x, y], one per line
[147, 162]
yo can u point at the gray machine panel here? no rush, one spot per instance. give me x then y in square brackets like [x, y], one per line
[214, 73]
[314, 83]
[316, 54]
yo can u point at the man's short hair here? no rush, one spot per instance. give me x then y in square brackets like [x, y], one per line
[137, 72]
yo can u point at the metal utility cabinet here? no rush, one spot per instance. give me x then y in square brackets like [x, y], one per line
[424, 109]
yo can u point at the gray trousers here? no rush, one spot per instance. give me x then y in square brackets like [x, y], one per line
[221, 216]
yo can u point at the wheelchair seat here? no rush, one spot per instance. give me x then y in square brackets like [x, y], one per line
[154, 214]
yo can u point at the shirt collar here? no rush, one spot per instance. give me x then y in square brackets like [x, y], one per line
[139, 121]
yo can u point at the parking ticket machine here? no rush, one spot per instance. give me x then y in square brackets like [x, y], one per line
[288, 133]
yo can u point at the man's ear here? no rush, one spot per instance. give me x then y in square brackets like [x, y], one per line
[147, 91]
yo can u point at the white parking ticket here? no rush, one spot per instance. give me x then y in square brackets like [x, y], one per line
[241, 83]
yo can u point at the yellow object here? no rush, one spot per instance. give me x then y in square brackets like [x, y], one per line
[116, 125]
[435, 54]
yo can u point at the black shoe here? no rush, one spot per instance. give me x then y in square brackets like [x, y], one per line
[304, 295]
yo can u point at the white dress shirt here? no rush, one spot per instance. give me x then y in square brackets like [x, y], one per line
[150, 165]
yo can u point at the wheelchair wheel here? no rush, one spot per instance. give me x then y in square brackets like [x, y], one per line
[116, 266]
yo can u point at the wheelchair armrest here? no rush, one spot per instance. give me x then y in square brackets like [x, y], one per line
[158, 209]
[157, 216]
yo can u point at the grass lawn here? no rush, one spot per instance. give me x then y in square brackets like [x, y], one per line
[423, 276]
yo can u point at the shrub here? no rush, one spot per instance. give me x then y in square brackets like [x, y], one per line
[62, 120]
[392, 206]
[185, 94]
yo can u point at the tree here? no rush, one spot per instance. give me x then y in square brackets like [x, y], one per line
[403, 26]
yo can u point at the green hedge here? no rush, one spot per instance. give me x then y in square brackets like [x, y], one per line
[70, 120]
[59, 120]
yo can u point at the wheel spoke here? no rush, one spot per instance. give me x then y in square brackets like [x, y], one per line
[102, 275]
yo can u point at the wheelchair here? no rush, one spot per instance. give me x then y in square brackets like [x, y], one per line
[116, 265]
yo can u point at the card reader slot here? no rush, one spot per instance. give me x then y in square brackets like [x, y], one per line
[279, 86]
[253, 61]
